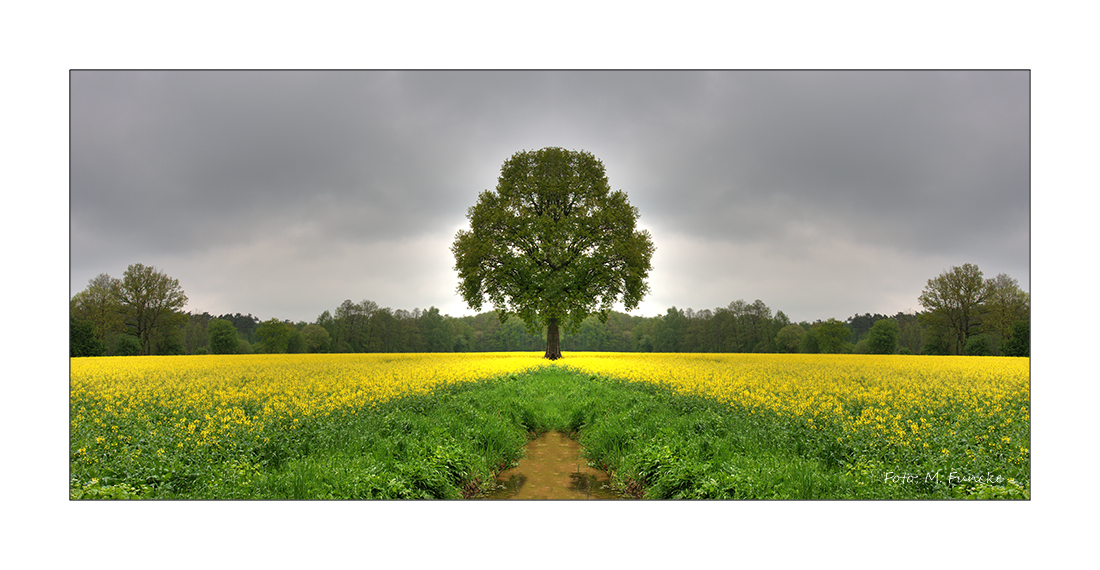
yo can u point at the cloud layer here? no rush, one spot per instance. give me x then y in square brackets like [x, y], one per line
[284, 193]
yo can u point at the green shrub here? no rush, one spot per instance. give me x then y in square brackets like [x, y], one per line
[127, 345]
[1019, 344]
[883, 338]
[82, 340]
[979, 345]
[95, 490]
[1009, 491]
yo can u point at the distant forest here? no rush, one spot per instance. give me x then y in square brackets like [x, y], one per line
[994, 320]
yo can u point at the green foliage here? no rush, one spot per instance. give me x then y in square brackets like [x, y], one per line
[1011, 490]
[295, 344]
[167, 337]
[959, 304]
[98, 304]
[96, 490]
[223, 337]
[151, 301]
[935, 335]
[831, 336]
[1019, 344]
[552, 244]
[433, 329]
[245, 324]
[910, 335]
[883, 337]
[1006, 304]
[274, 336]
[82, 340]
[979, 345]
[954, 301]
[127, 345]
[315, 339]
[809, 343]
[144, 303]
[195, 336]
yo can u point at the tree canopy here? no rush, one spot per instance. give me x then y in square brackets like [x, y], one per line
[883, 337]
[553, 244]
[144, 306]
[960, 304]
[223, 337]
[150, 298]
[99, 305]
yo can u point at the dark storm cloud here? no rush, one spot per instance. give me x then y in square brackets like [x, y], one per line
[237, 151]
[364, 176]
[927, 158]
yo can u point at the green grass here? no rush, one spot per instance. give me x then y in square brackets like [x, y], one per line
[655, 443]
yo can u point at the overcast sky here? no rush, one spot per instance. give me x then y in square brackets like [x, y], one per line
[281, 194]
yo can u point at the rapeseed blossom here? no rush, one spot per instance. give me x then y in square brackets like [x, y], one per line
[889, 407]
[224, 401]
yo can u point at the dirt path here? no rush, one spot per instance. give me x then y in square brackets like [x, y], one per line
[553, 469]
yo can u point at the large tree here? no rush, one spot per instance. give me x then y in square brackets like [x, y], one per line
[98, 304]
[150, 300]
[1006, 305]
[955, 300]
[553, 244]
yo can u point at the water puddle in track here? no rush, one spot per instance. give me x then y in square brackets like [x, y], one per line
[552, 469]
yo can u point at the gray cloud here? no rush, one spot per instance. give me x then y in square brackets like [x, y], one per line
[283, 193]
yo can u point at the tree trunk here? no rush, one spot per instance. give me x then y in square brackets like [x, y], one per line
[553, 345]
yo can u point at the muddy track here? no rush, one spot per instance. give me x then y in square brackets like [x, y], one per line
[552, 469]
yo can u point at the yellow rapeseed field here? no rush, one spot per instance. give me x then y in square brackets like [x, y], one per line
[205, 400]
[884, 412]
[820, 385]
[959, 410]
[296, 383]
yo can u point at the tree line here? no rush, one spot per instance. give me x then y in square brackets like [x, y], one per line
[141, 313]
